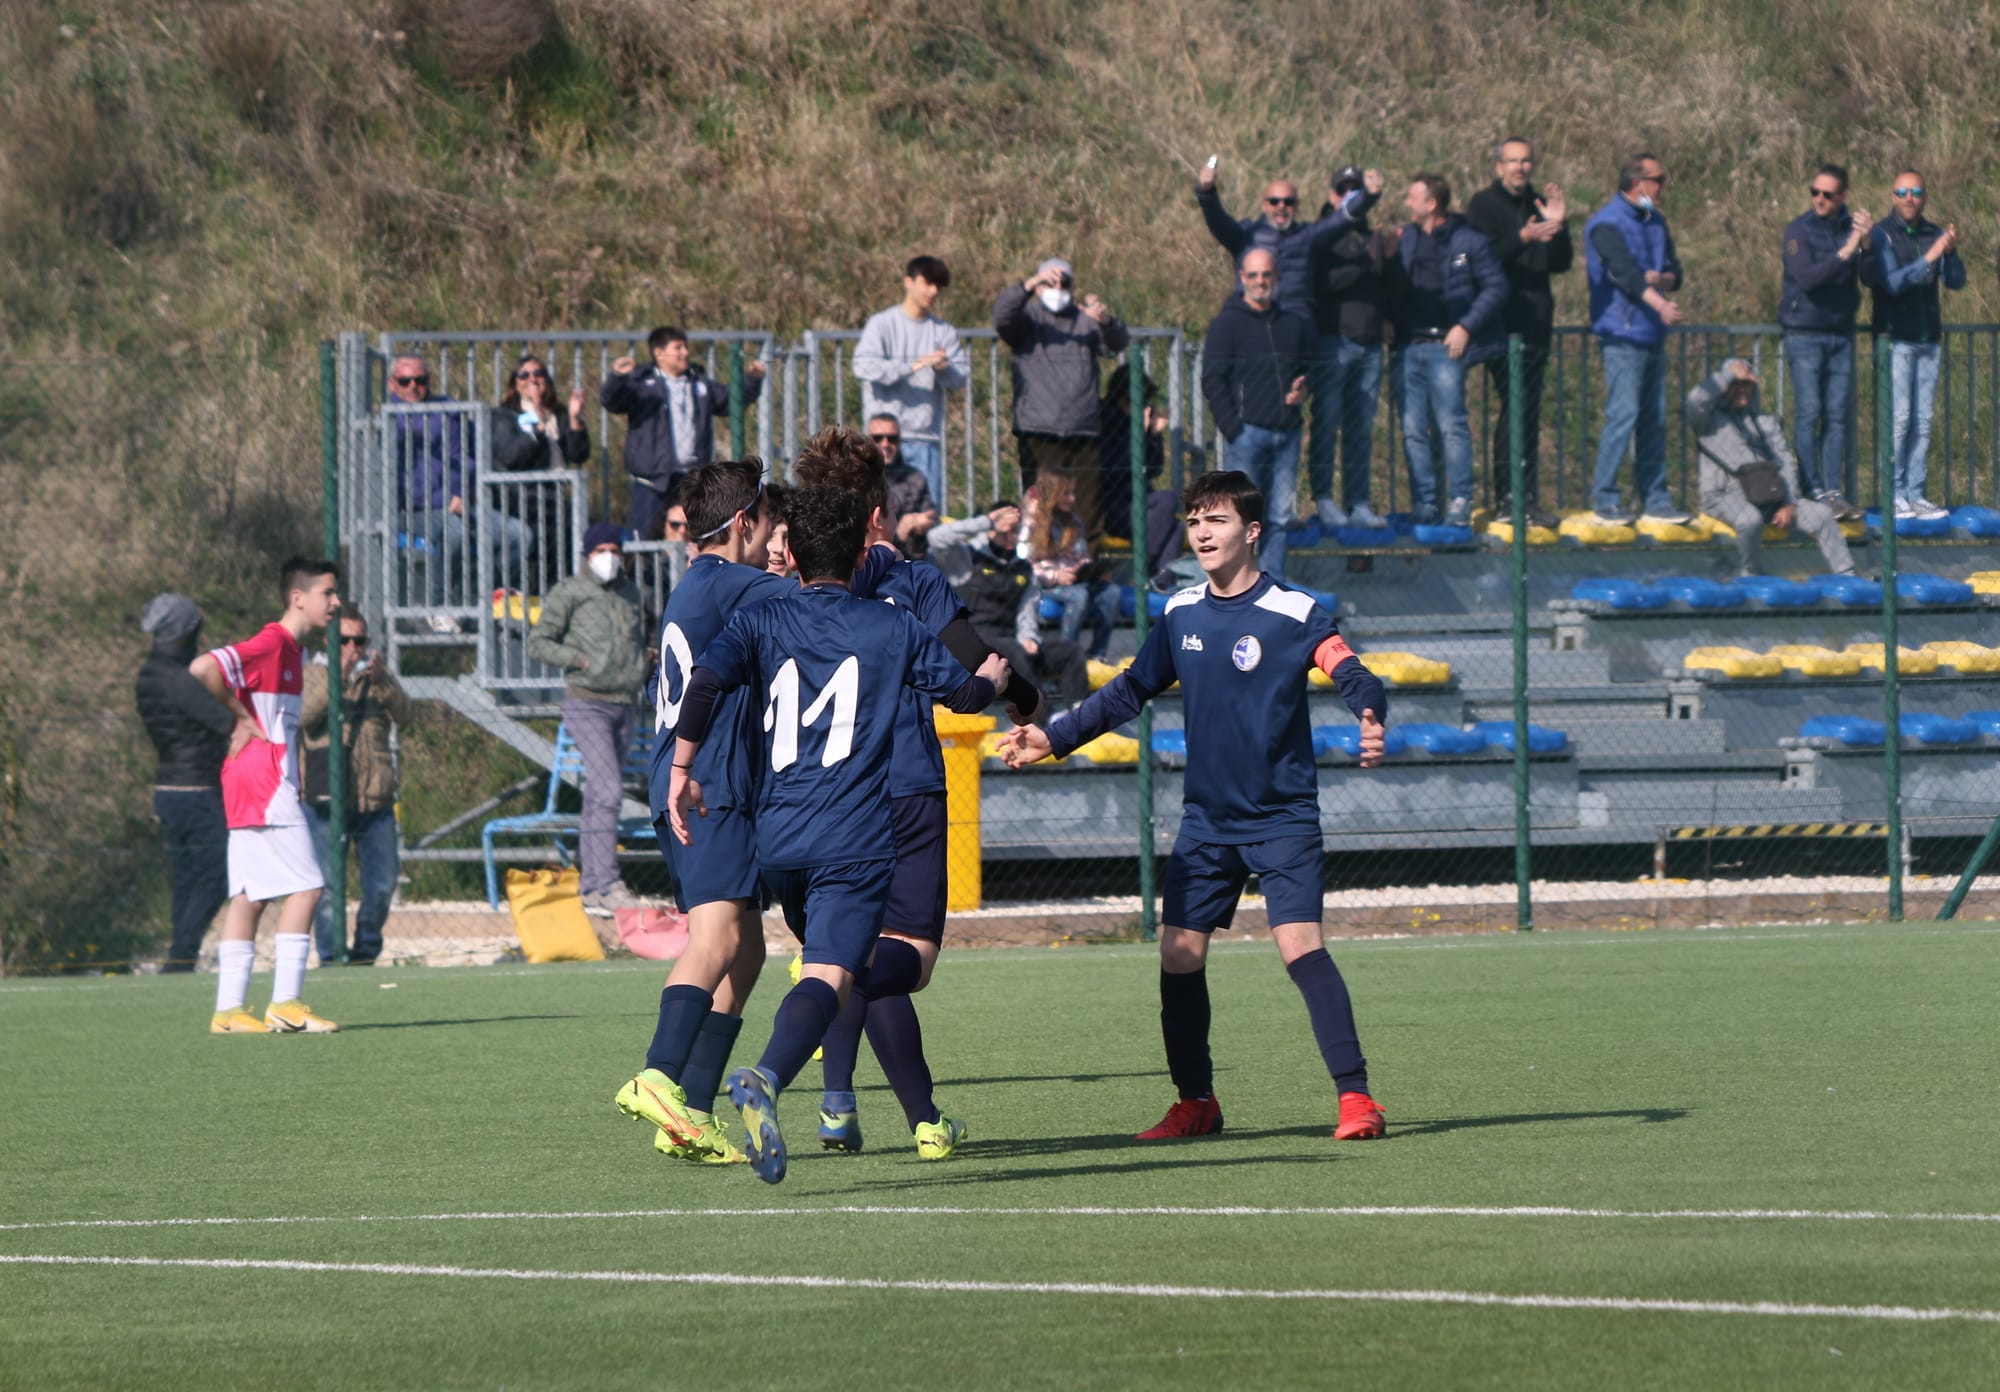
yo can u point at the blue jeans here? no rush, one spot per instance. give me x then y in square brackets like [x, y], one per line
[927, 458]
[1913, 376]
[449, 556]
[1432, 386]
[1822, 368]
[1346, 380]
[1271, 458]
[373, 838]
[1100, 599]
[1635, 414]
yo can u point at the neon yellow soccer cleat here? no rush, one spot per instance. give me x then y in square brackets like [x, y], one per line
[936, 1140]
[712, 1147]
[653, 1096]
[296, 1017]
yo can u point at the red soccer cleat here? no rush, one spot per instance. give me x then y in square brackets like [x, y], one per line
[1187, 1117]
[1360, 1118]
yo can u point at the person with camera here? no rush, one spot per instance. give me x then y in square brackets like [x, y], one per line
[1748, 475]
[1056, 338]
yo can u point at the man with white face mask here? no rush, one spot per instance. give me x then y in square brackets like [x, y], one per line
[1056, 342]
[591, 628]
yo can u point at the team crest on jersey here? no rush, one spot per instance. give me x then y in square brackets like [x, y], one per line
[1247, 653]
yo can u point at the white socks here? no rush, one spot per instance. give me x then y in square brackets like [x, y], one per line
[232, 982]
[291, 950]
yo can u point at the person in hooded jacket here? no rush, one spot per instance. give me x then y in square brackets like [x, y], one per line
[190, 731]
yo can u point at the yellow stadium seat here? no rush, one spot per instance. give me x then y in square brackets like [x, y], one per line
[1675, 533]
[1585, 528]
[1315, 677]
[1102, 672]
[1966, 659]
[516, 607]
[1809, 659]
[1984, 581]
[1118, 544]
[1853, 528]
[1910, 662]
[1717, 529]
[1110, 748]
[1502, 529]
[1406, 669]
[1736, 663]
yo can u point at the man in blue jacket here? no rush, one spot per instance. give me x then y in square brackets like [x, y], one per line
[1278, 230]
[1630, 259]
[1825, 248]
[1447, 292]
[1253, 377]
[669, 409]
[1912, 255]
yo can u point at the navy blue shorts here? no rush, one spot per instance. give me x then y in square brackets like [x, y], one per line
[722, 862]
[1204, 881]
[835, 910]
[916, 897]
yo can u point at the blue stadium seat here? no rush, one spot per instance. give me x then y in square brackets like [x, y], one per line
[562, 826]
[1175, 742]
[1913, 526]
[1366, 536]
[1327, 598]
[1988, 721]
[1699, 592]
[1849, 590]
[1774, 593]
[1621, 594]
[1932, 589]
[1304, 531]
[1156, 603]
[1541, 739]
[1347, 739]
[1128, 602]
[1976, 521]
[410, 541]
[1925, 728]
[1854, 731]
[1437, 534]
[1443, 739]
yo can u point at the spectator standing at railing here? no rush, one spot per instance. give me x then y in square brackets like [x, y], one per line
[431, 479]
[372, 705]
[592, 629]
[1825, 249]
[1448, 294]
[533, 433]
[911, 512]
[190, 731]
[1350, 309]
[1531, 241]
[1630, 258]
[1913, 256]
[1253, 376]
[1737, 440]
[1056, 340]
[1059, 550]
[1114, 495]
[981, 557]
[670, 409]
[907, 359]
[1277, 230]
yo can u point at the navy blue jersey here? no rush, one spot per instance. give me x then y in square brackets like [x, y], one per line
[1242, 664]
[920, 589]
[709, 593]
[828, 670]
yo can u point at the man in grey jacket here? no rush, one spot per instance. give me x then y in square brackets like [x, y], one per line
[1734, 434]
[1056, 341]
[592, 630]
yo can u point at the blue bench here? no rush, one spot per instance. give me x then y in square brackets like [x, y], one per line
[1976, 521]
[557, 825]
[1541, 739]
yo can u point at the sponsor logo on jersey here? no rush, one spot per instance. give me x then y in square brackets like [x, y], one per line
[1247, 653]
[1190, 642]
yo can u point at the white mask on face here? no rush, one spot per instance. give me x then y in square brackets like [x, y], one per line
[1644, 202]
[604, 565]
[1055, 301]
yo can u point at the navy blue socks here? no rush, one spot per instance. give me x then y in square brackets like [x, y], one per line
[1319, 981]
[708, 1058]
[1184, 1024]
[682, 1009]
[803, 1016]
[843, 1045]
[898, 1040]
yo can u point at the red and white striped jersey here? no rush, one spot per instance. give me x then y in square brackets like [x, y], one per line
[260, 786]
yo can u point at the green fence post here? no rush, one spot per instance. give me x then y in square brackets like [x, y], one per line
[1524, 902]
[1892, 696]
[1972, 869]
[1135, 372]
[336, 763]
[736, 432]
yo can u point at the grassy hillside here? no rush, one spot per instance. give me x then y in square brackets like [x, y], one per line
[193, 194]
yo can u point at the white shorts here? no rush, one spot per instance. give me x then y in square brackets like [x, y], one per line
[271, 862]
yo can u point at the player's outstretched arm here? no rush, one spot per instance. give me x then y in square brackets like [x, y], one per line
[1025, 744]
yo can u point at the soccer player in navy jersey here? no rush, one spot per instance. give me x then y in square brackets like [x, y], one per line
[913, 922]
[1239, 645]
[729, 519]
[829, 668]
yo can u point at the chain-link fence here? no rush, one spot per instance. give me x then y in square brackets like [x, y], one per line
[1608, 726]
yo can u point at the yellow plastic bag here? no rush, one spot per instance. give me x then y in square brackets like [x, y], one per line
[549, 917]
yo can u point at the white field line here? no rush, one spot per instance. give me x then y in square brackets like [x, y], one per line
[1790, 1215]
[1906, 1314]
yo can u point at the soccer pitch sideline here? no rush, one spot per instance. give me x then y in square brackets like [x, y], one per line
[1746, 1158]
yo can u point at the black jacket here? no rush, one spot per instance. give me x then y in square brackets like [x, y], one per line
[516, 451]
[1350, 294]
[641, 397]
[994, 591]
[1531, 303]
[1249, 361]
[189, 727]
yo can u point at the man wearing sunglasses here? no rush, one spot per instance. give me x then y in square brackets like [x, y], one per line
[1277, 229]
[1912, 256]
[910, 510]
[1825, 248]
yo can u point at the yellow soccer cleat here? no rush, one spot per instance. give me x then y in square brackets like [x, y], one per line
[296, 1017]
[653, 1096]
[711, 1147]
[237, 1021]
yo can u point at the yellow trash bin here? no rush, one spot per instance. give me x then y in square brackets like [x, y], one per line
[960, 735]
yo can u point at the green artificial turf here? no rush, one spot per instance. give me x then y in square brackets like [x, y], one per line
[1838, 1070]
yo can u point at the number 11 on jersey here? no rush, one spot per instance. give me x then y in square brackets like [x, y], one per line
[783, 721]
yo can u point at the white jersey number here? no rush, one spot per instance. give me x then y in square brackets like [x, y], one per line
[676, 666]
[783, 721]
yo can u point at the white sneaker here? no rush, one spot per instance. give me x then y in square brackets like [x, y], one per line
[1459, 514]
[1921, 508]
[1364, 516]
[1330, 515]
[443, 623]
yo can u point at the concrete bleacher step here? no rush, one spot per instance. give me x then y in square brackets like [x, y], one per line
[1626, 737]
[1666, 803]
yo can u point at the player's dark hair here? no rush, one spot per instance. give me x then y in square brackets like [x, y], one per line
[1438, 187]
[777, 498]
[715, 493]
[828, 530]
[931, 269]
[1231, 486]
[846, 459]
[1838, 171]
[299, 572]
[662, 336]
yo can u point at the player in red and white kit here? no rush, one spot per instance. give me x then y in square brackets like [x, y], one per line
[270, 848]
